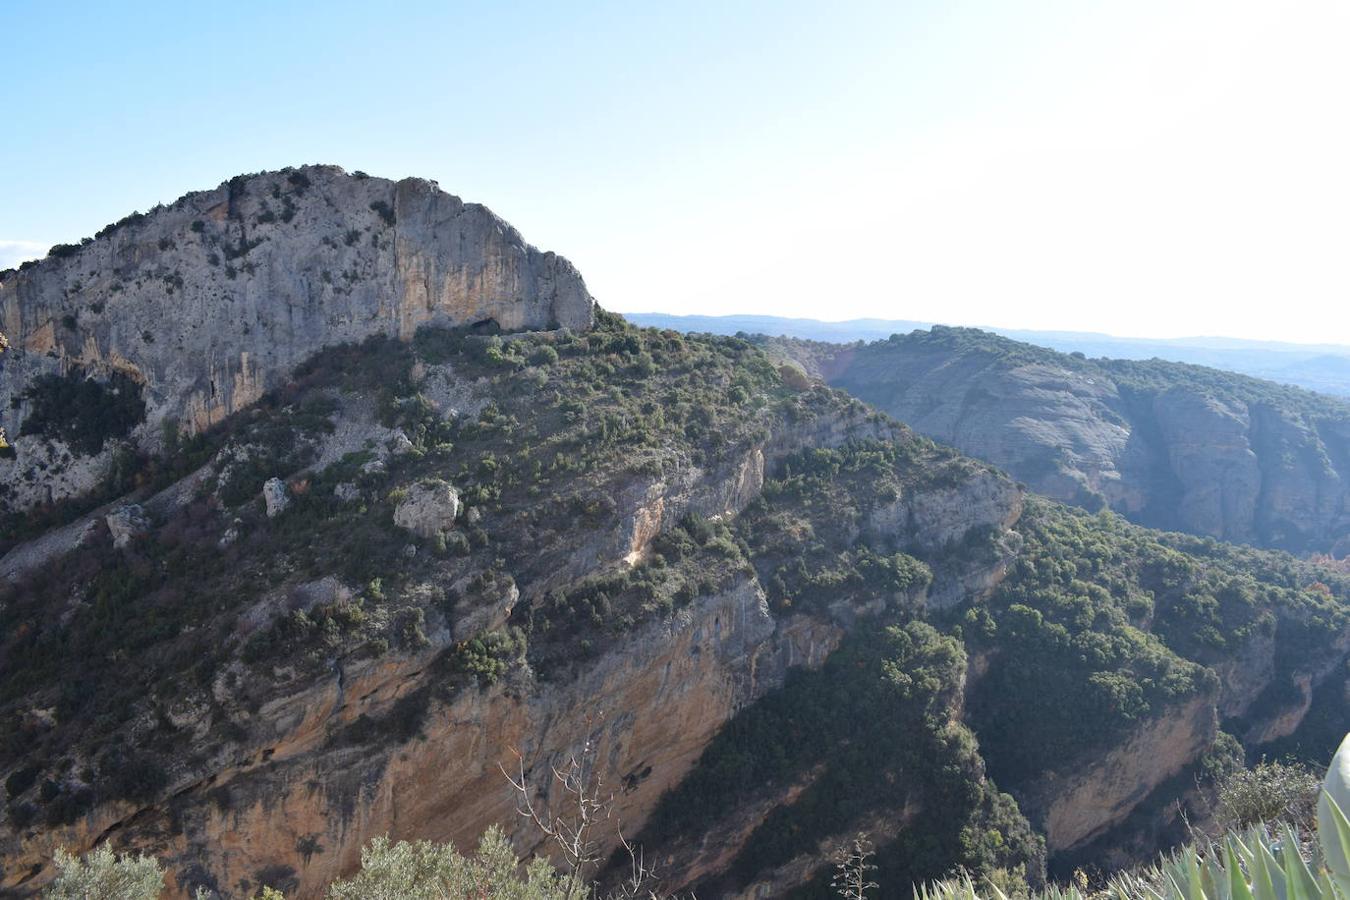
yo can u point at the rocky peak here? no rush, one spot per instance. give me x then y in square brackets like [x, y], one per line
[203, 305]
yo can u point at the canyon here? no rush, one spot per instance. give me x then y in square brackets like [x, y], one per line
[362, 543]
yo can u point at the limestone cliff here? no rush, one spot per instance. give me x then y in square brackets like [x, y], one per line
[293, 805]
[1081, 804]
[209, 302]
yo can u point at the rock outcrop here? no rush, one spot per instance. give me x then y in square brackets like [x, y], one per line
[428, 510]
[305, 755]
[1078, 805]
[649, 707]
[291, 800]
[209, 302]
[126, 523]
[275, 497]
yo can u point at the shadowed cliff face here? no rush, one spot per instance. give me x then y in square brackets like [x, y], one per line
[213, 300]
[1168, 445]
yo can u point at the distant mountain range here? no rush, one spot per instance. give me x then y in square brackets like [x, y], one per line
[1317, 367]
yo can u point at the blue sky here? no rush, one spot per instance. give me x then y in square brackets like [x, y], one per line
[1144, 168]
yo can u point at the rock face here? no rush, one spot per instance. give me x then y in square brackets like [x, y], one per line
[209, 302]
[318, 756]
[259, 815]
[429, 509]
[1169, 446]
[1086, 802]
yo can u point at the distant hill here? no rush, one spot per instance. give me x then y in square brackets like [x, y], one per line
[1322, 367]
[1170, 445]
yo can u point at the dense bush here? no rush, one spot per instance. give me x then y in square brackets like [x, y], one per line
[384, 211]
[101, 875]
[426, 871]
[1270, 792]
[82, 411]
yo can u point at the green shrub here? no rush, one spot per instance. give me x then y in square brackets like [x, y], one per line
[1269, 792]
[138, 777]
[101, 875]
[489, 656]
[21, 780]
[426, 871]
[543, 355]
[384, 211]
[82, 411]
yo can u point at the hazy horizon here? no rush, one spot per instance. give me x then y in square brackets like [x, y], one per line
[1309, 345]
[1152, 170]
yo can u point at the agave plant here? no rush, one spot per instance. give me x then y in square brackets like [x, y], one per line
[1331, 809]
[1252, 865]
[1245, 867]
[963, 887]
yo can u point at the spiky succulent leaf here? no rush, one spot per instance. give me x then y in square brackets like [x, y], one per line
[1298, 879]
[1336, 799]
[1335, 840]
[1237, 883]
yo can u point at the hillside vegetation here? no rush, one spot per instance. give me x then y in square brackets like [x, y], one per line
[1019, 648]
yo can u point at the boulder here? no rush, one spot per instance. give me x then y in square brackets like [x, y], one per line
[126, 523]
[231, 534]
[429, 509]
[400, 444]
[276, 497]
[482, 606]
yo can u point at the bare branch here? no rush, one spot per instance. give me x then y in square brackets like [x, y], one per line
[572, 825]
